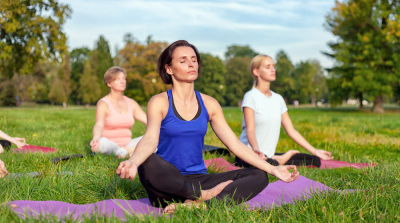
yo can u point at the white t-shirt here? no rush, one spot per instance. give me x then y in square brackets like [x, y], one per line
[267, 115]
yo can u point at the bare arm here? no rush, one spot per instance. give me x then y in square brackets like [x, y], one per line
[226, 135]
[156, 111]
[300, 140]
[101, 112]
[19, 142]
[138, 113]
[249, 119]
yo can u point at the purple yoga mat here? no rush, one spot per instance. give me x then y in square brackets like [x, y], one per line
[277, 193]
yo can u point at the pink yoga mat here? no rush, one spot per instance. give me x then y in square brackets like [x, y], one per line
[275, 194]
[331, 164]
[32, 148]
[223, 165]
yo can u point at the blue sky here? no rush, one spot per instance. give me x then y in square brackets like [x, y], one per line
[267, 26]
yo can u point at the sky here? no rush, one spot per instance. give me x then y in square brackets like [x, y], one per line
[295, 26]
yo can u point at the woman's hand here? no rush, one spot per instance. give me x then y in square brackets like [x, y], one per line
[19, 142]
[3, 170]
[282, 173]
[95, 145]
[127, 170]
[322, 154]
[261, 154]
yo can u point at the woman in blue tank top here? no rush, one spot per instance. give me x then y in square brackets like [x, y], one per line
[176, 124]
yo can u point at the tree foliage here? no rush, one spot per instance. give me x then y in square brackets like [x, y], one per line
[238, 79]
[367, 48]
[30, 30]
[140, 63]
[89, 89]
[212, 78]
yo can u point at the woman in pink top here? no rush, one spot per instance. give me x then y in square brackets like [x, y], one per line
[115, 115]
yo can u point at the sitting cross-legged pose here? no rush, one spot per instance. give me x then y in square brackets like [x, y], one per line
[177, 124]
[263, 113]
[115, 116]
[6, 143]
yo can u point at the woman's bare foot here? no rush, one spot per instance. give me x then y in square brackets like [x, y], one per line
[208, 194]
[171, 208]
[282, 159]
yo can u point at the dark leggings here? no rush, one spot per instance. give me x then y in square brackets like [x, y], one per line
[165, 183]
[301, 159]
[5, 144]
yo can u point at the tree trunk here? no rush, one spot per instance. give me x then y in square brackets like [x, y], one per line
[378, 105]
[361, 98]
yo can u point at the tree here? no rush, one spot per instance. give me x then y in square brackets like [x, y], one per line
[367, 48]
[284, 83]
[238, 79]
[30, 30]
[303, 75]
[239, 51]
[78, 58]
[140, 63]
[101, 60]
[89, 89]
[57, 93]
[65, 74]
[212, 78]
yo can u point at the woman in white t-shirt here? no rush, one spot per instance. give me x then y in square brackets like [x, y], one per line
[263, 113]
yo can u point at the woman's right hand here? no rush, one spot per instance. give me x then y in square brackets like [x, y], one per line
[95, 145]
[282, 173]
[127, 170]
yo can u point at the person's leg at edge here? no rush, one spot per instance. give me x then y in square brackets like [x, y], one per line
[165, 183]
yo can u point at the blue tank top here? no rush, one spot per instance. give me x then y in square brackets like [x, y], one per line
[181, 142]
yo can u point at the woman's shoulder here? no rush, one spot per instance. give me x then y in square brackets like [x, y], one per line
[208, 99]
[161, 98]
[278, 96]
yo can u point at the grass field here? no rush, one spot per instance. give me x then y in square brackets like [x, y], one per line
[351, 135]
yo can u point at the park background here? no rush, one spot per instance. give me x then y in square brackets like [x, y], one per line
[38, 65]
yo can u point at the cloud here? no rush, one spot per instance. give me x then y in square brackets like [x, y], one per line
[213, 25]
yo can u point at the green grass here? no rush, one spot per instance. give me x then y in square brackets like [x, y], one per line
[351, 135]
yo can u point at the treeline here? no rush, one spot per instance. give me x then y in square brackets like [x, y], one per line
[79, 77]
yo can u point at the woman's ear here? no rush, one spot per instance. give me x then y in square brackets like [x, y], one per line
[255, 72]
[168, 69]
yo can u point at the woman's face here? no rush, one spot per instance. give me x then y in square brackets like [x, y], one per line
[266, 71]
[119, 84]
[184, 66]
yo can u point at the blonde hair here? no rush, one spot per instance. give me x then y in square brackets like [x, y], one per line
[112, 73]
[255, 64]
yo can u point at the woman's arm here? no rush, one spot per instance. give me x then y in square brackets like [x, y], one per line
[101, 112]
[138, 113]
[226, 135]
[249, 120]
[19, 142]
[156, 111]
[300, 140]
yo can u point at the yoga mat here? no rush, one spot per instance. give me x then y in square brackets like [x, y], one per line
[331, 164]
[275, 194]
[32, 148]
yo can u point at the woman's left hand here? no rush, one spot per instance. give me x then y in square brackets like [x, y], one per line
[322, 154]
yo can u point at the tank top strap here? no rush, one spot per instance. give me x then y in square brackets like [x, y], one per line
[203, 106]
[110, 107]
[169, 92]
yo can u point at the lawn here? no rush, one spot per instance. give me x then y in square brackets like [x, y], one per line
[351, 135]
